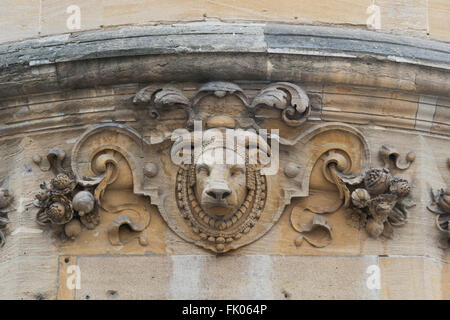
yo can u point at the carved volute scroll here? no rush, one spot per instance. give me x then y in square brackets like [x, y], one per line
[389, 154]
[290, 99]
[5, 200]
[204, 198]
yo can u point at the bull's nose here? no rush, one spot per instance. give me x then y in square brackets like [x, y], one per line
[219, 192]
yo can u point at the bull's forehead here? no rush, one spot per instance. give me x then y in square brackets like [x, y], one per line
[220, 156]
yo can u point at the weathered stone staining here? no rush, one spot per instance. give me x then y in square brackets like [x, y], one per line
[5, 200]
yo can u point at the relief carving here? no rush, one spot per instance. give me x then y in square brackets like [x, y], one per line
[220, 201]
[5, 200]
[440, 205]
[389, 154]
[380, 201]
[377, 200]
[63, 202]
[221, 167]
[374, 199]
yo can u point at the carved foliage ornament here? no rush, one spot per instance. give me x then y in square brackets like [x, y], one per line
[440, 205]
[63, 202]
[203, 196]
[5, 200]
[376, 200]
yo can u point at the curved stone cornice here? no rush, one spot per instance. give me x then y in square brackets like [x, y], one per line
[189, 52]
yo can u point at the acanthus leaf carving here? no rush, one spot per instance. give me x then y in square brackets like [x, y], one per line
[287, 97]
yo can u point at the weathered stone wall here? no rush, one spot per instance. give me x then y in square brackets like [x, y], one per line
[392, 89]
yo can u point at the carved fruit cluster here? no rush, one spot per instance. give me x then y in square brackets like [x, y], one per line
[380, 201]
[62, 203]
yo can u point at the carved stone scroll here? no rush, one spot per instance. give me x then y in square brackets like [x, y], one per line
[389, 154]
[287, 97]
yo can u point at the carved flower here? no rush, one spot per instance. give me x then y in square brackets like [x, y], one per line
[60, 210]
[56, 211]
[377, 180]
[360, 198]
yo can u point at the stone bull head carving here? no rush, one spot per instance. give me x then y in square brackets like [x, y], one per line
[221, 179]
[211, 186]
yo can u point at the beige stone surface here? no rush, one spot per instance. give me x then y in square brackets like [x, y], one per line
[203, 277]
[439, 24]
[20, 19]
[413, 278]
[410, 16]
[26, 19]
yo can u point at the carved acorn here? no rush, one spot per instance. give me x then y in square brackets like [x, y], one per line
[360, 198]
[83, 202]
[377, 180]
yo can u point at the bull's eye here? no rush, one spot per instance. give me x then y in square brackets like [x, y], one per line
[236, 171]
[203, 169]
